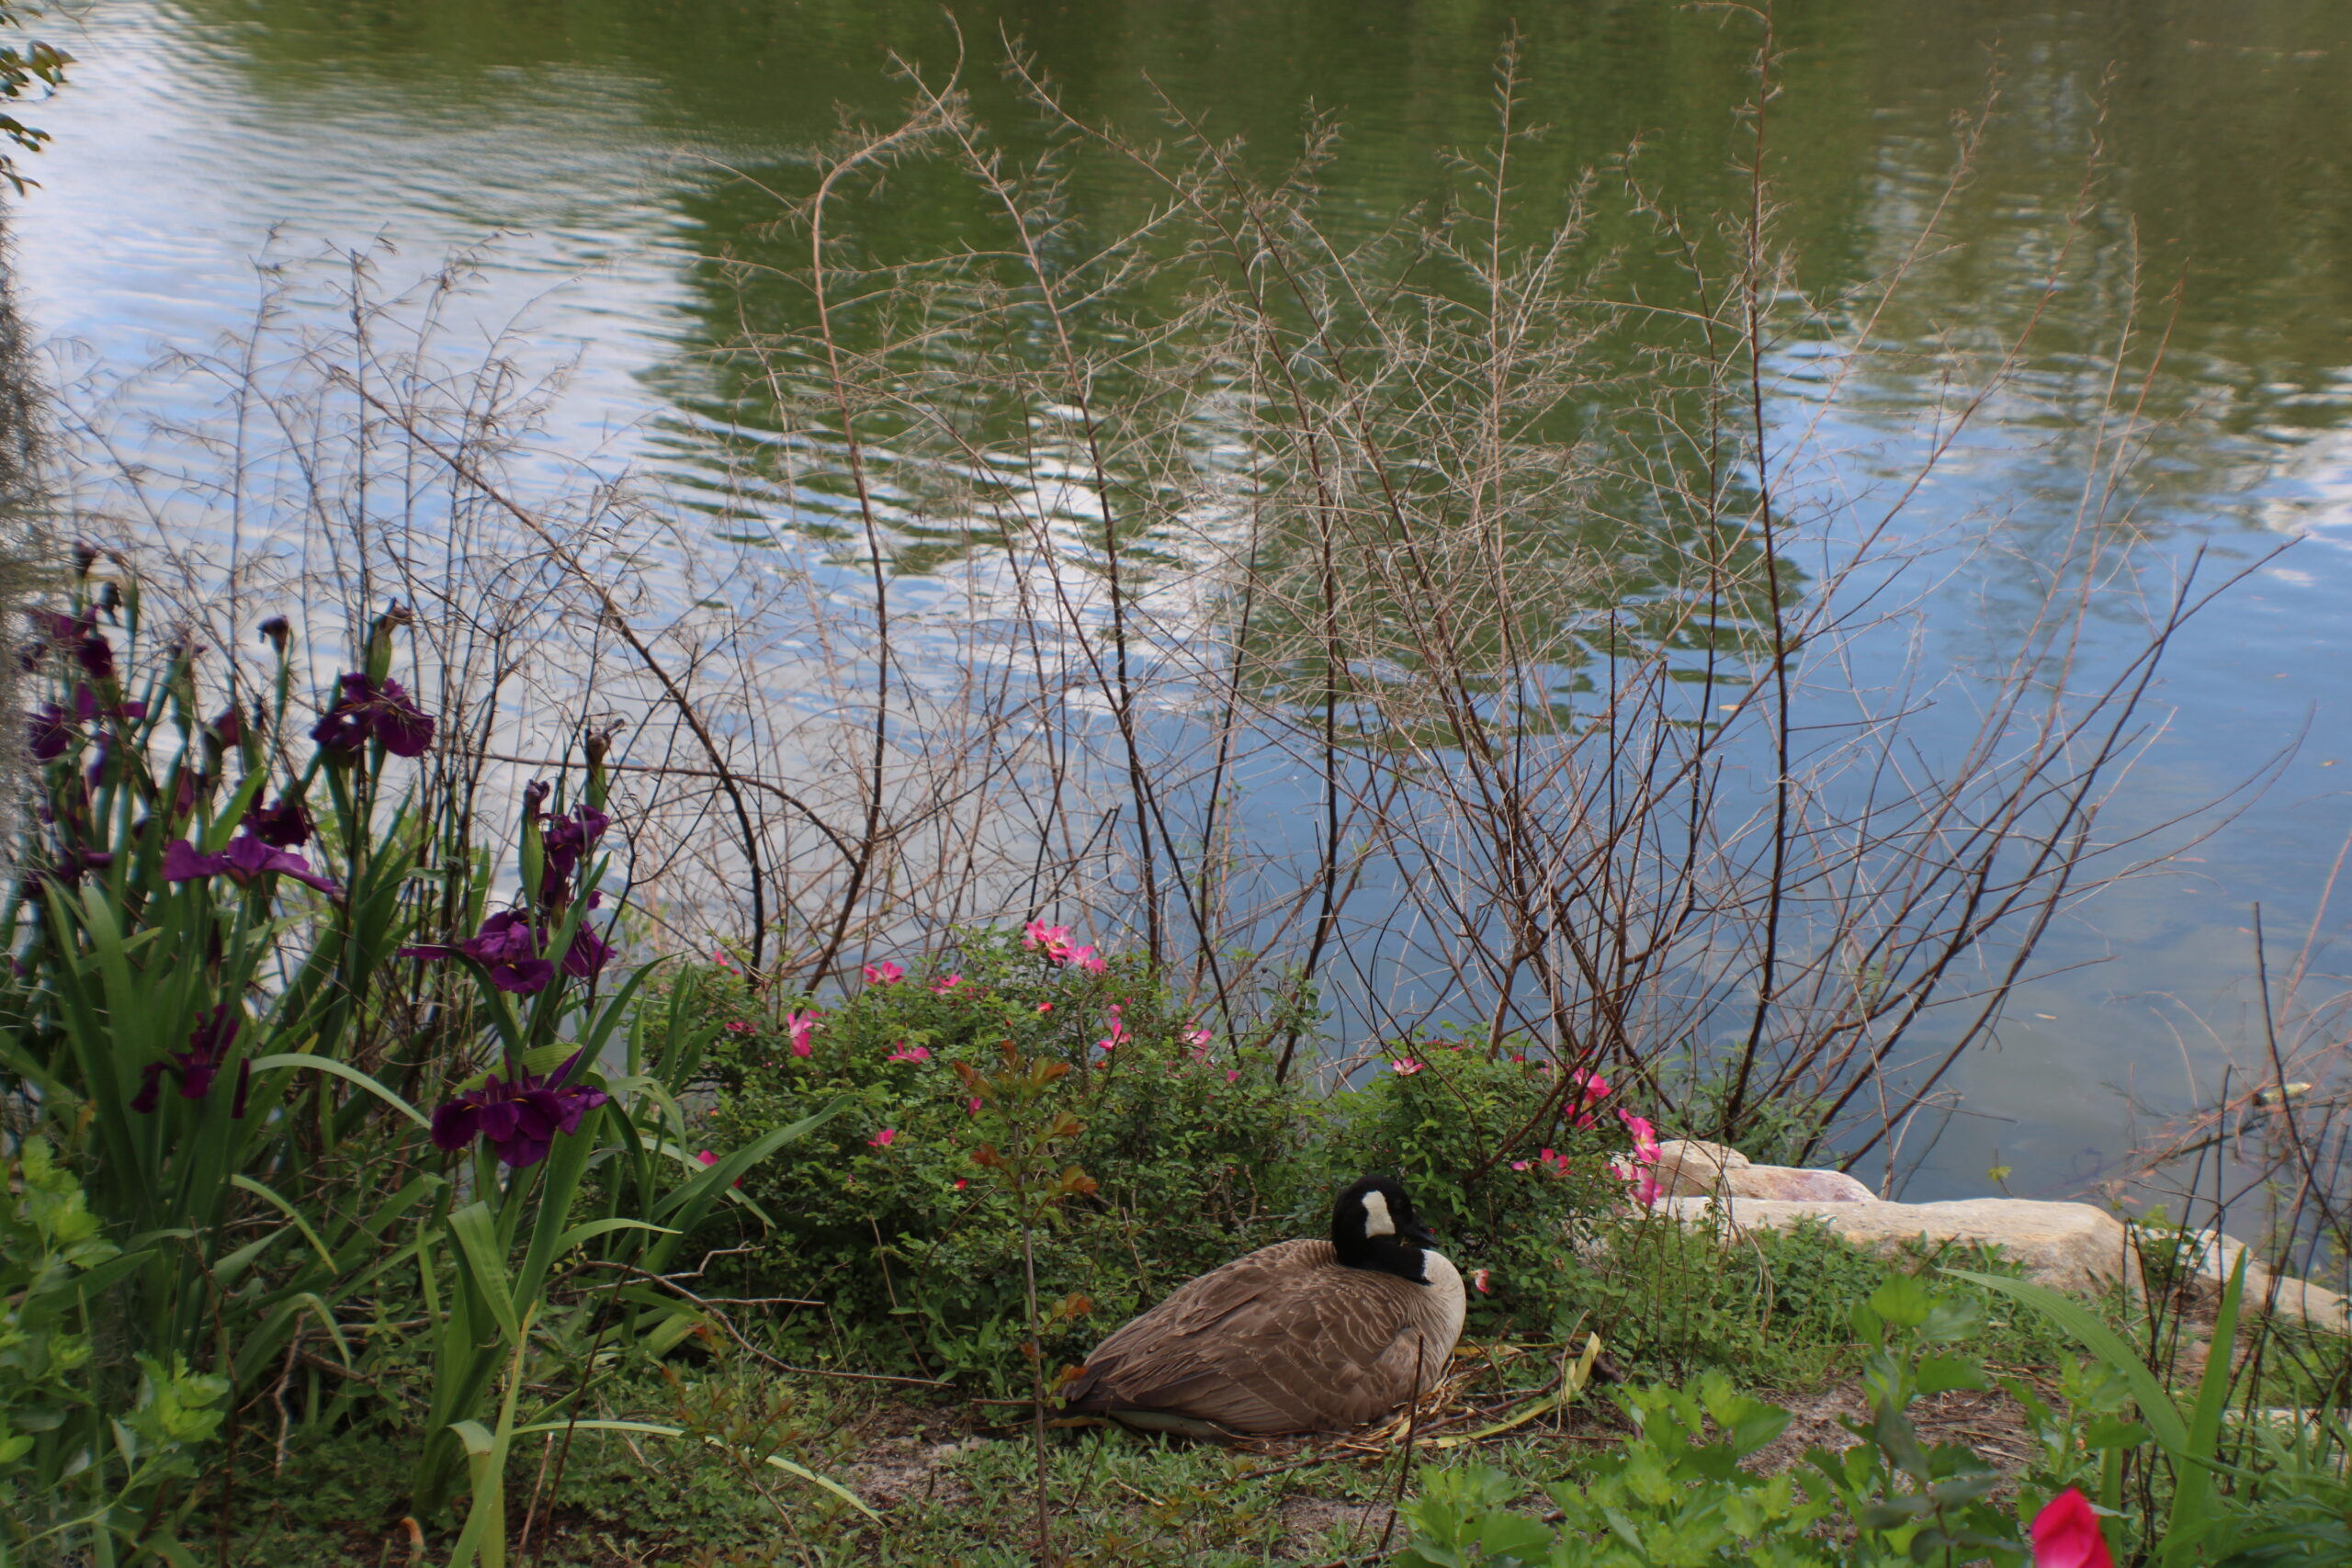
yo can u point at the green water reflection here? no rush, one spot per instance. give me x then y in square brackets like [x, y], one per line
[2216, 225]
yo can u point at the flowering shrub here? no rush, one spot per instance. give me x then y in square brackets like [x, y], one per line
[1198, 1155]
[1509, 1156]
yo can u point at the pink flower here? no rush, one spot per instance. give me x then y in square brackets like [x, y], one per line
[946, 984]
[1595, 1085]
[1045, 1006]
[1519, 1165]
[905, 1053]
[973, 1105]
[1054, 943]
[1198, 1039]
[959, 1184]
[2066, 1534]
[1118, 1031]
[1646, 1147]
[801, 1024]
[884, 1138]
[1404, 1066]
[884, 974]
[1640, 1176]
[1053, 940]
[1480, 1277]
[707, 1159]
[737, 1026]
[1233, 1074]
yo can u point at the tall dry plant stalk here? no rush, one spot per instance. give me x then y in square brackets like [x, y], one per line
[1385, 629]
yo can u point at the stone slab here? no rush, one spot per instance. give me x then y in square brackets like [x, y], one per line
[2070, 1246]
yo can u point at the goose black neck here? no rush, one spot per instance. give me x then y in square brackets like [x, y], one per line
[1383, 1255]
[1374, 1227]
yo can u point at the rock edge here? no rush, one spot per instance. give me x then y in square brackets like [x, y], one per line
[2076, 1247]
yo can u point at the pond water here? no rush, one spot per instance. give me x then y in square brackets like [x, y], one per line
[597, 144]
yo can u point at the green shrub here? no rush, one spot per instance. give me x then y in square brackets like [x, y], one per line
[1198, 1154]
[1200, 1157]
[1685, 1490]
[88, 1450]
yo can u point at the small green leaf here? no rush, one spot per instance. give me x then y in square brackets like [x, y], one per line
[2163, 1416]
[1941, 1374]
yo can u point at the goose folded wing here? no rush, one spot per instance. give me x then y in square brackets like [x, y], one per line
[1269, 1342]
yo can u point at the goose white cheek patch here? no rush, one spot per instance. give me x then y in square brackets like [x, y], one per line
[1376, 1220]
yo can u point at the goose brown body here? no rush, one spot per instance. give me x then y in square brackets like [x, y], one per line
[1288, 1338]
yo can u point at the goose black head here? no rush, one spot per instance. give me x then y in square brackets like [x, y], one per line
[1374, 1226]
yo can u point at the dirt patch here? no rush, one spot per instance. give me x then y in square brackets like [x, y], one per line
[1308, 1521]
[902, 1453]
[1989, 1422]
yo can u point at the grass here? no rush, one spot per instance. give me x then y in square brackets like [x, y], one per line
[949, 1475]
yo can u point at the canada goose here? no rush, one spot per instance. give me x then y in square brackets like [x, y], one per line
[1300, 1337]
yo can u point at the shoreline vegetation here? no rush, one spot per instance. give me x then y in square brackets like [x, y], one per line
[501, 1064]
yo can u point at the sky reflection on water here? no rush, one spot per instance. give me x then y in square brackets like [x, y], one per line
[589, 150]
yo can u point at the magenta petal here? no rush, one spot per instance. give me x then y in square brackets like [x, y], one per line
[577, 1103]
[454, 1125]
[339, 731]
[497, 1114]
[246, 857]
[285, 826]
[51, 733]
[404, 732]
[525, 977]
[505, 937]
[196, 1074]
[587, 956]
[298, 868]
[522, 1153]
[183, 864]
[143, 1102]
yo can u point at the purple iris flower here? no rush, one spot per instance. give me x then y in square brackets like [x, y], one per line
[50, 732]
[60, 627]
[187, 787]
[96, 655]
[197, 1065]
[87, 707]
[509, 949]
[247, 859]
[571, 835]
[587, 956]
[507, 946]
[91, 650]
[521, 1120]
[366, 711]
[504, 937]
[285, 826]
